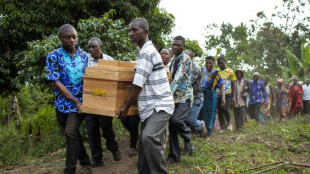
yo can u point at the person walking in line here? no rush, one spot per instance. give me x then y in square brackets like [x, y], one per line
[265, 113]
[211, 82]
[191, 120]
[295, 97]
[95, 122]
[281, 95]
[239, 98]
[258, 92]
[64, 69]
[151, 89]
[228, 77]
[306, 97]
[180, 68]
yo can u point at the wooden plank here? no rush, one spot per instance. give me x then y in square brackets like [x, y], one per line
[119, 64]
[91, 83]
[126, 64]
[119, 74]
[101, 73]
[126, 75]
[108, 101]
[106, 112]
[111, 63]
[97, 101]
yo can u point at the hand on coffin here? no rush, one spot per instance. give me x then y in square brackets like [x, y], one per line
[122, 112]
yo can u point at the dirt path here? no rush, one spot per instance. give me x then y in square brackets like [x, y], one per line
[125, 165]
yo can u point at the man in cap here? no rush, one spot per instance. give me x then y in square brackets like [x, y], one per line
[239, 98]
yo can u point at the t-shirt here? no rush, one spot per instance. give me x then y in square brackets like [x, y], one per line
[228, 76]
[151, 76]
[306, 94]
[60, 66]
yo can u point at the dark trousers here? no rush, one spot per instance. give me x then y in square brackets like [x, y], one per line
[75, 149]
[177, 125]
[239, 114]
[93, 125]
[254, 110]
[306, 106]
[223, 112]
[131, 123]
[151, 158]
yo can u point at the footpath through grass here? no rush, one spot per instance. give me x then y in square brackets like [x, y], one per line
[282, 146]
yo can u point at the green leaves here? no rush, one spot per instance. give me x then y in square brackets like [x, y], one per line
[27, 21]
[298, 66]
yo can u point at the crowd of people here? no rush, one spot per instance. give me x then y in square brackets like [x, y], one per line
[175, 97]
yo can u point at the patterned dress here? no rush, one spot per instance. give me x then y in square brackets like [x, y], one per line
[281, 94]
[295, 96]
[211, 82]
[265, 109]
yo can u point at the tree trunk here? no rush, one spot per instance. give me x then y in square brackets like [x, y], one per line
[16, 111]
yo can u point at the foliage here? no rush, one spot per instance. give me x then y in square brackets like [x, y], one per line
[25, 21]
[298, 66]
[189, 44]
[17, 148]
[262, 46]
[113, 33]
[39, 129]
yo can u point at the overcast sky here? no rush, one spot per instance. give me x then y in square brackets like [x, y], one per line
[192, 16]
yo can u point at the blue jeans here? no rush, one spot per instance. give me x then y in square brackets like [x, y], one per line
[191, 119]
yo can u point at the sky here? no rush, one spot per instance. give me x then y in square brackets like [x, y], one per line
[192, 16]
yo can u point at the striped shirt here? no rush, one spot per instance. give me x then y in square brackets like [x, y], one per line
[152, 78]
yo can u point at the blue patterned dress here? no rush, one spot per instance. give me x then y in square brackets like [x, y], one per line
[211, 82]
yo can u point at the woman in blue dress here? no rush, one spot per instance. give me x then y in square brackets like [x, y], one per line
[211, 82]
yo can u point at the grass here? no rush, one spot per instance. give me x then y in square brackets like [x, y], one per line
[225, 152]
[231, 152]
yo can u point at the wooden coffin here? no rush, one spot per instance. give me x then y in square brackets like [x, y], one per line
[107, 86]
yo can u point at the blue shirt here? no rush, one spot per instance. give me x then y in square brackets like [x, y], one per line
[258, 91]
[60, 66]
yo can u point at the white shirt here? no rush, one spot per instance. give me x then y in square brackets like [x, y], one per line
[92, 61]
[306, 94]
[151, 76]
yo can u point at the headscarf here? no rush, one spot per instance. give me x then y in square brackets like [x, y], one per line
[294, 77]
[280, 80]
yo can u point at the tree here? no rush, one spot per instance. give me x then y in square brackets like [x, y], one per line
[189, 44]
[232, 43]
[22, 21]
[113, 33]
[297, 66]
[262, 46]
